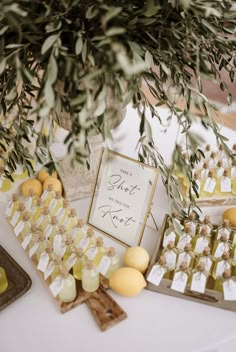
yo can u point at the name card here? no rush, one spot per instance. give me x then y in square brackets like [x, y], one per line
[122, 197]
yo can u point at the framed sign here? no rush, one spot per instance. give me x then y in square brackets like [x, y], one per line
[122, 197]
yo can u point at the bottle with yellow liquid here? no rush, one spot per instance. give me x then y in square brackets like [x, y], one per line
[55, 266]
[17, 217]
[63, 213]
[12, 206]
[219, 170]
[170, 254]
[44, 219]
[109, 263]
[204, 172]
[191, 223]
[70, 247]
[221, 264]
[41, 245]
[30, 239]
[37, 210]
[79, 231]
[212, 163]
[233, 176]
[52, 229]
[180, 278]
[87, 241]
[79, 264]
[5, 183]
[223, 185]
[198, 279]
[201, 241]
[56, 203]
[159, 271]
[185, 238]
[224, 229]
[59, 241]
[31, 200]
[207, 259]
[209, 186]
[221, 153]
[48, 195]
[187, 256]
[68, 292]
[71, 221]
[90, 277]
[170, 235]
[218, 286]
[3, 280]
[207, 152]
[23, 227]
[45, 257]
[206, 223]
[220, 246]
[96, 252]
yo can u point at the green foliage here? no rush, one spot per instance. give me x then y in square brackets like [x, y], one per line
[66, 55]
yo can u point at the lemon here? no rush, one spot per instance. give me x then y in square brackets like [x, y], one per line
[32, 184]
[57, 186]
[43, 175]
[136, 257]
[230, 214]
[127, 282]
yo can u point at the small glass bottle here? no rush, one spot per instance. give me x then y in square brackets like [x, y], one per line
[87, 241]
[96, 252]
[201, 241]
[204, 172]
[37, 210]
[198, 279]
[47, 195]
[158, 272]
[71, 221]
[220, 246]
[12, 206]
[63, 212]
[70, 247]
[79, 264]
[3, 280]
[207, 152]
[185, 238]
[170, 235]
[78, 231]
[109, 263]
[45, 257]
[56, 203]
[31, 200]
[187, 256]
[176, 221]
[213, 161]
[223, 229]
[209, 186]
[206, 259]
[17, 217]
[223, 185]
[41, 245]
[29, 238]
[206, 223]
[90, 277]
[23, 227]
[221, 153]
[221, 264]
[56, 266]
[44, 219]
[180, 278]
[218, 285]
[52, 229]
[192, 224]
[219, 170]
[68, 292]
[59, 241]
[170, 253]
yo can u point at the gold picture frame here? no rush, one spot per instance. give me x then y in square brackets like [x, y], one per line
[122, 197]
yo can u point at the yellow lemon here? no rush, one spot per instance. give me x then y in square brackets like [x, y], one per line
[127, 282]
[136, 257]
[230, 214]
[43, 175]
[57, 186]
[33, 184]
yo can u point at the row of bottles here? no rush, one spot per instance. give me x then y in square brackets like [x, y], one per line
[198, 255]
[59, 243]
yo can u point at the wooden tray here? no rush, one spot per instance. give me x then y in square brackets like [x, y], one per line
[210, 297]
[104, 308]
[18, 281]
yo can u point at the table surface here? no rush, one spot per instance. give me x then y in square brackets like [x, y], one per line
[155, 321]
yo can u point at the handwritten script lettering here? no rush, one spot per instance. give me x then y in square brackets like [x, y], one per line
[115, 216]
[117, 182]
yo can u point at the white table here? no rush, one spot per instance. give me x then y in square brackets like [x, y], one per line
[155, 322]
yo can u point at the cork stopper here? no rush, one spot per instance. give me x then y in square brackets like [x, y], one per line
[213, 155]
[207, 251]
[185, 156]
[207, 219]
[221, 147]
[175, 214]
[49, 247]
[41, 236]
[79, 252]
[188, 247]
[234, 162]
[54, 220]
[234, 147]
[50, 187]
[225, 173]
[26, 216]
[14, 197]
[111, 252]
[89, 264]
[69, 240]
[162, 260]
[39, 202]
[225, 223]
[73, 212]
[170, 245]
[80, 223]
[227, 274]
[192, 216]
[223, 237]
[196, 175]
[33, 227]
[201, 267]
[62, 229]
[187, 228]
[65, 203]
[46, 211]
[57, 259]
[58, 195]
[99, 242]
[203, 231]
[208, 147]
[21, 207]
[31, 192]
[183, 266]
[64, 272]
[225, 255]
[219, 163]
[210, 173]
[90, 232]
[205, 165]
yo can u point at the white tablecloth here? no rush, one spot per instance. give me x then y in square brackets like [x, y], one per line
[155, 322]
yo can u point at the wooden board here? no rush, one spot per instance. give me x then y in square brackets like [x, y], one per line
[104, 308]
[210, 297]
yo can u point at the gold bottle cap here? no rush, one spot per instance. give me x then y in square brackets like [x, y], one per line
[50, 187]
[226, 255]
[21, 207]
[183, 266]
[80, 223]
[99, 242]
[111, 251]
[79, 252]
[162, 260]
[15, 197]
[227, 274]
[90, 232]
[188, 247]
[54, 220]
[170, 245]
[46, 211]
[201, 267]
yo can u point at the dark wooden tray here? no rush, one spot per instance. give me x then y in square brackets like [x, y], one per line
[19, 281]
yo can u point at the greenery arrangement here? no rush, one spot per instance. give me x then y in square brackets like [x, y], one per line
[65, 56]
